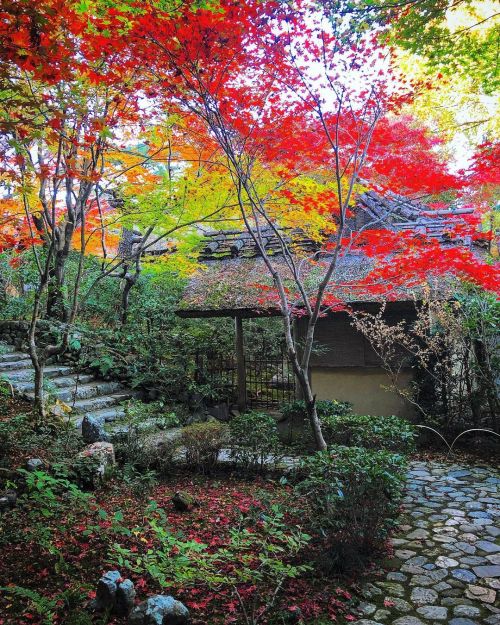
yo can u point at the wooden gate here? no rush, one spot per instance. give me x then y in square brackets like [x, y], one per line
[269, 382]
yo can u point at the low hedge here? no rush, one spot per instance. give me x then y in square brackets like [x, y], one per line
[391, 433]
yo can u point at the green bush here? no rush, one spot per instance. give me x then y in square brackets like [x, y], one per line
[325, 408]
[391, 433]
[203, 443]
[254, 440]
[352, 494]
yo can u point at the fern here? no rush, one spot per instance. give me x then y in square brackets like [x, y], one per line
[43, 606]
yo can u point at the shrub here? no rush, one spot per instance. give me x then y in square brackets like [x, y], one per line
[353, 493]
[326, 407]
[391, 433]
[254, 440]
[203, 443]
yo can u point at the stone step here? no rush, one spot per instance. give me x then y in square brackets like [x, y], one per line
[85, 406]
[15, 364]
[88, 391]
[11, 356]
[26, 374]
[108, 414]
[63, 382]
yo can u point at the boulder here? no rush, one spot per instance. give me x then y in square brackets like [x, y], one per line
[125, 596]
[34, 464]
[183, 502]
[106, 590]
[93, 430]
[114, 594]
[159, 610]
[104, 453]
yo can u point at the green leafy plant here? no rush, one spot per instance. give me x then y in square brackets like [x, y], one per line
[203, 443]
[325, 408]
[254, 441]
[260, 558]
[391, 433]
[43, 606]
[352, 494]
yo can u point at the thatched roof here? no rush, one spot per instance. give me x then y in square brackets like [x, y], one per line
[234, 275]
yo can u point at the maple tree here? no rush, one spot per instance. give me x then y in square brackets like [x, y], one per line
[290, 63]
[285, 113]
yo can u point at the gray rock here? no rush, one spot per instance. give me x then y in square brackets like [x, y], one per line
[34, 464]
[423, 596]
[462, 621]
[487, 546]
[463, 575]
[93, 430]
[466, 610]
[125, 595]
[160, 610]
[433, 612]
[407, 620]
[106, 590]
[487, 571]
[367, 608]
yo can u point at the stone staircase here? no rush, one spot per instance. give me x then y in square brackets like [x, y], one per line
[85, 394]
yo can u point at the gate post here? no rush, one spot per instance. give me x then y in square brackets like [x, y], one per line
[240, 364]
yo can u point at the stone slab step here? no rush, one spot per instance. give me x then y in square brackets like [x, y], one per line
[88, 391]
[108, 415]
[84, 406]
[26, 374]
[63, 382]
[15, 364]
[11, 356]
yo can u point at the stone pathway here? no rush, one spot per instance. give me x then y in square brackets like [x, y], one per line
[446, 564]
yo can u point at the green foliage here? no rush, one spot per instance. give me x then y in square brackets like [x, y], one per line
[353, 494]
[261, 557]
[203, 443]
[40, 605]
[324, 408]
[254, 440]
[391, 433]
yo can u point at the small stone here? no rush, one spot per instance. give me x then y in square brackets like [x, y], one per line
[462, 621]
[441, 586]
[407, 620]
[161, 610]
[367, 608]
[421, 580]
[445, 562]
[396, 577]
[487, 546]
[418, 534]
[392, 588]
[382, 615]
[398, 604]
[487, 571]
[404, 554]
[463, 575]
[485, 595]
[466, 610]
[423, 596]
[433, 612]
[363, 621]
[34, 464]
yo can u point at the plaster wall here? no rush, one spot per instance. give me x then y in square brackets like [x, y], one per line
[363, 387]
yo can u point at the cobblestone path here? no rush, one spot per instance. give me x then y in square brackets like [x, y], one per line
[446, 565]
